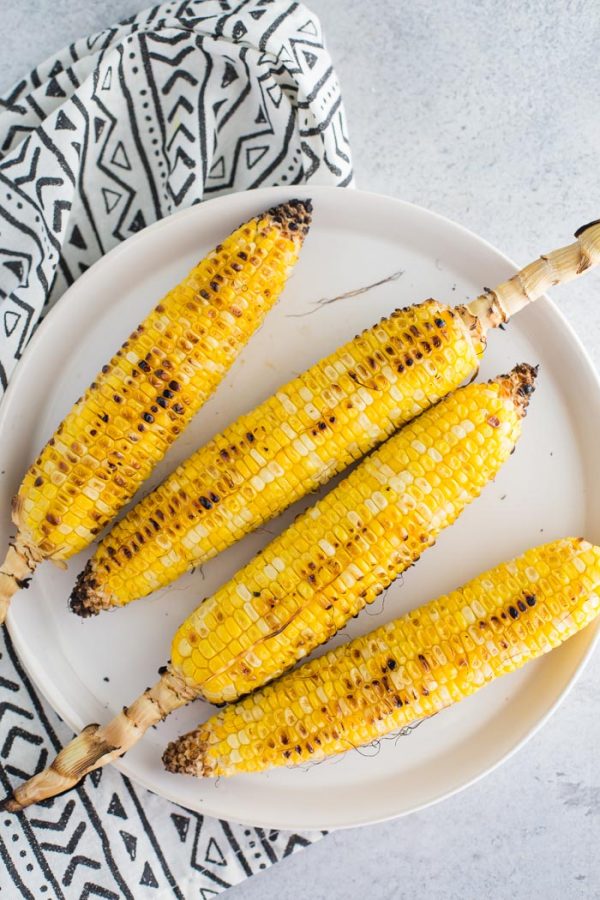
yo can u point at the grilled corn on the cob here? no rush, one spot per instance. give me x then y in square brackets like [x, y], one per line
[406, 670]
[334, 559]
[310, 430]
[145, 396]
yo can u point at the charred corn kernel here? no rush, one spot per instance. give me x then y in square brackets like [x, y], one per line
[340, 555]
[148, 392]
[406, 670]
[308, 431]
[310, 580]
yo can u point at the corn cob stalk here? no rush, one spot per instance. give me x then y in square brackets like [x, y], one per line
[404, 671]
[140, 402]
[313, 428]
[334, 559]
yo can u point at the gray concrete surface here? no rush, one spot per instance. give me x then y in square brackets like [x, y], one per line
[489, 113]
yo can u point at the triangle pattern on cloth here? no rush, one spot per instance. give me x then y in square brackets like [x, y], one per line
[56, 69]
[130, 842]
[148, 878]
[275, 93]
[295, 840]
[255, 154]
[309, 28]
[16, 267]
[229, 75]
[77, 239]
[182, 824]
[239, 30]
[217, 106]
[138, 222]
[120, 158]
[261, 119]
[111, 198]
[311, 58]
[11, 320]
[207, 893]
[54, 89]
[95, 776]
[63, 122]
[107, 82]
[98, 127]
[115, 807]
[284, 58]
[214, 854]
[218, 168]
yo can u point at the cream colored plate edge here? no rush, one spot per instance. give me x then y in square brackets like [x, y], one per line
[547, 489]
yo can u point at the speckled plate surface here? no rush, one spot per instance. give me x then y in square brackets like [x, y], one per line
[89, 669]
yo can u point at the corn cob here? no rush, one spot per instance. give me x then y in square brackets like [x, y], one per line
[334, 559]
[406, 670]
[313, 428]
[123, 425]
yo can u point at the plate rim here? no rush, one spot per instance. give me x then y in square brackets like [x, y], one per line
[550, 309]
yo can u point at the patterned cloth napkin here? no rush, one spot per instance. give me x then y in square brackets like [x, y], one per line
[184, 101]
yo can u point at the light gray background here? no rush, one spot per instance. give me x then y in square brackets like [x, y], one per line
[487, 112]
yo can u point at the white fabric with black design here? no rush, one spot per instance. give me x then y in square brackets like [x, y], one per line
[182, 102]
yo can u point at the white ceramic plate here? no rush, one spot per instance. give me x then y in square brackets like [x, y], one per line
[89, 669]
